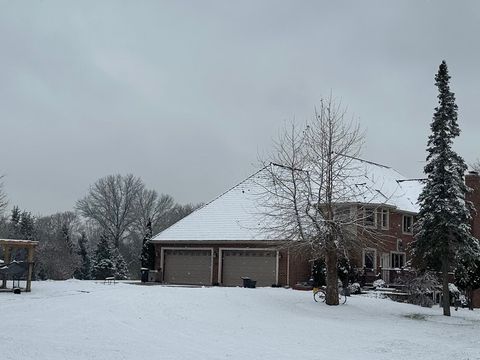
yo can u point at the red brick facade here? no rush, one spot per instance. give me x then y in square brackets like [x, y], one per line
[473, 181]
[390, 238]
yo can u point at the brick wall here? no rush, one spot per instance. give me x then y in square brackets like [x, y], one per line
[473, 181]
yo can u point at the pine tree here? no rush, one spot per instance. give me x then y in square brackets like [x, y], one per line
[103, 264]
[108, 261]
[83, 272]
[121, 268]
[26, 225]
[443, 236]
[147, 257]
[14, 222]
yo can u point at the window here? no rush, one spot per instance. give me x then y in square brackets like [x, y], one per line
[342, 214]
[370, 258]
[407, 224]
[369, 217]
[398, 260]
[384, 219]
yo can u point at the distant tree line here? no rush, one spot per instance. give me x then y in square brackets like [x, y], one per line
[106, 234]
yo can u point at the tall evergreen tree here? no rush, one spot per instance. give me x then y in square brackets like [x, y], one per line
[443, 236]
[147, 257]
[14, 226]
[27, 225]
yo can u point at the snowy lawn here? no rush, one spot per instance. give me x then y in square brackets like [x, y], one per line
[88, 320]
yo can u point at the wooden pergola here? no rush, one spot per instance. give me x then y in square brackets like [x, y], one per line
[8, 245]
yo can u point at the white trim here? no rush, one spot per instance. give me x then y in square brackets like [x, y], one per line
[374, 257]
[220, 259]
[277, 266]
[162, 257]
[288, 267]
[385, 256]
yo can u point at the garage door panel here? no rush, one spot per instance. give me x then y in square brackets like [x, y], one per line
[187, 267]
[258, 265]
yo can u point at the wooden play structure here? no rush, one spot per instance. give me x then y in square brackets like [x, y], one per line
[17, 270]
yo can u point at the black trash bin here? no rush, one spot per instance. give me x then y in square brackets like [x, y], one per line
[246, 282]
[249, 283]
[144, 277]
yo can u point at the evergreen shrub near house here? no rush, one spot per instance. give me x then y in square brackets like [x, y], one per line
[108, 261]
[420, 288]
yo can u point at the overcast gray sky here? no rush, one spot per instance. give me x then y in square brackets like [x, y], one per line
[185, 94]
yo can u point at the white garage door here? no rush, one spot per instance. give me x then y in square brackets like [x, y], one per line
[185, 266]
[259, 265]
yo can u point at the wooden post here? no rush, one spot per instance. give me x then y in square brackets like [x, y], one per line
[6, 258]
[30, 268]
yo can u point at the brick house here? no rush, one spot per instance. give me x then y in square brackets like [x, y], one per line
[222, 241]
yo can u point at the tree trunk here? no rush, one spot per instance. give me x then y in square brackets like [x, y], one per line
[332, 276]
[446, 292]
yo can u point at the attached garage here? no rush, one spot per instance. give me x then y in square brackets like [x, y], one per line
[187, 266]
[260, 265]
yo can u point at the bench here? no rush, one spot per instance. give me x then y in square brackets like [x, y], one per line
[109, 280]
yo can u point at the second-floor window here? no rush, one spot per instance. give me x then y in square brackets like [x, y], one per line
[369, 217]
[407, 224]
[384, 219]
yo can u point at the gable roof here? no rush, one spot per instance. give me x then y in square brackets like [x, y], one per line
[236, 214]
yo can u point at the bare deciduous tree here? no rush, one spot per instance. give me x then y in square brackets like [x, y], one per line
[56, 255]
[151, 207]
[111, 202]
[310, 189]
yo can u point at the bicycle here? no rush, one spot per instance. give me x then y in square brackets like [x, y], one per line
[319, 295]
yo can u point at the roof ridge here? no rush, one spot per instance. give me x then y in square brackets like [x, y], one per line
[367, 161]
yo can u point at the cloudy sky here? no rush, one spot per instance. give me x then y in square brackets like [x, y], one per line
[186, 94]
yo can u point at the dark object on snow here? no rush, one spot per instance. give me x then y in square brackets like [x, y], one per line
[249, 283]
[144, 275]
[17, 291]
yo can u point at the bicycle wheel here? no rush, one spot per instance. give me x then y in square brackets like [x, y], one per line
[342, 298]
[319, 296]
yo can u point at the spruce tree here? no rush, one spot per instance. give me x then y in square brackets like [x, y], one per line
[103, 264]
[147, 257]
[14, 223]
[442, 232]
[108, 261]
[121, 268]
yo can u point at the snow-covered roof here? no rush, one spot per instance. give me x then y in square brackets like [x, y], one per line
[235, 215]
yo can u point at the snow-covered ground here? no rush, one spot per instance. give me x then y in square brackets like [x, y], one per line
[88, 320]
